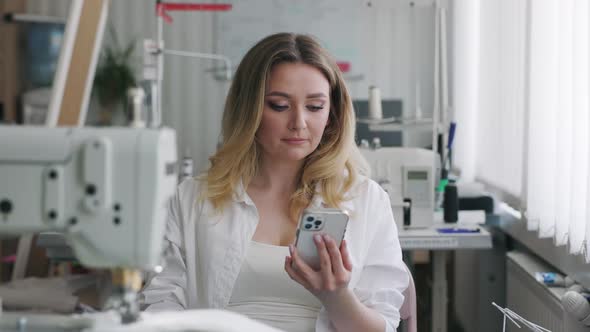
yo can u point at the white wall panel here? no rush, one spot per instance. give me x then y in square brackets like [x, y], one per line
[193, 99]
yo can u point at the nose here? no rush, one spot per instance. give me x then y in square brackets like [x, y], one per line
[298, 119]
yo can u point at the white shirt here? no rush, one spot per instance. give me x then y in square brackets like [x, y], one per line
[206, 251]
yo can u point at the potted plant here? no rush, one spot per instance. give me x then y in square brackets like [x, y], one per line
[114, 76]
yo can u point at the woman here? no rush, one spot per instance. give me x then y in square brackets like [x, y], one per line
[288, 144]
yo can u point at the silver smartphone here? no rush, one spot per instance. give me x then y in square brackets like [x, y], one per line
[319, 221]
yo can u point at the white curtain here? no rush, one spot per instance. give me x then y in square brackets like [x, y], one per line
[533, 112]
[488, 90]
[558, 168]
[542, 112]
[465, 98]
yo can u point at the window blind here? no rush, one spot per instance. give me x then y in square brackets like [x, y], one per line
[533, 112]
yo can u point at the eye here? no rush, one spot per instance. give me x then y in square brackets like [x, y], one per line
[277, 107]
[315, 108]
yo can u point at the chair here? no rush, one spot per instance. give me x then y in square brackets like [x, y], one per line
[408, 309]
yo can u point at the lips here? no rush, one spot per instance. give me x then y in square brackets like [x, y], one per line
[294, 139]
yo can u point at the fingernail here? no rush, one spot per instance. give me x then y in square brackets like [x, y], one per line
[326, 237]
[317, 238]
[291, 249]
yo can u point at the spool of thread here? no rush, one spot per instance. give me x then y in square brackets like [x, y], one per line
[577, 305]
[375, 108]
[186, 168]
[364, 144]
[451, 203]
[136, 97]
[376, 143]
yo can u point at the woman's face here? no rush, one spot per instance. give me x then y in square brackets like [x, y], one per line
[296, 110]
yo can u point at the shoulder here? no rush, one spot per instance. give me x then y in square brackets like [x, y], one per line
[365, 188]
[190, 187]
[191, 196]
[189, 192]
[365, 198]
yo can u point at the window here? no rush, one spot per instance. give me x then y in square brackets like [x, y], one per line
[532, 112]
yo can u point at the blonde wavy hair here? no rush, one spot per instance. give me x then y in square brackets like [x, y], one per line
[333, 166]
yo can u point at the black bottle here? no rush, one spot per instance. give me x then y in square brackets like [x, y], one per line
[451, 203]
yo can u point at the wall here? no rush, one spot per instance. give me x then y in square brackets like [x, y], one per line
[192, 102]
[193, 98]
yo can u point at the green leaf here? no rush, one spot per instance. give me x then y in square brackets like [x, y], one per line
[114, 73]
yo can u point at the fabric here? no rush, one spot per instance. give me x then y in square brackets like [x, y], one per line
[206, 251]
[202, 320]
[55, 294]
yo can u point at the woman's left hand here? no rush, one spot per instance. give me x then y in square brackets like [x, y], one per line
[332, 278]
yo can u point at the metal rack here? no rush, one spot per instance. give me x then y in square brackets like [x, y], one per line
[154, 51]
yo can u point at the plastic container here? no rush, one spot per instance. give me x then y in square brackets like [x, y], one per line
[552, 279]
[43, 45]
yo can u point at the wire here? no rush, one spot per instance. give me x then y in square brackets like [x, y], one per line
[514, 316]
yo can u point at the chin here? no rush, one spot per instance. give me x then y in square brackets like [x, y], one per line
[296, 155]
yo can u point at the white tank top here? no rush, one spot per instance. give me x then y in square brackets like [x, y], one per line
[265, 292]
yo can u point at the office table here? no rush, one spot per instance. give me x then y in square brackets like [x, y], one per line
[439, 243]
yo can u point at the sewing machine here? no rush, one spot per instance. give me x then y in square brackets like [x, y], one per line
[407, 174]
[105, 188]
[106, 191]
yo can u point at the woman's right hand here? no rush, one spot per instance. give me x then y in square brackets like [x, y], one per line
[331, 280]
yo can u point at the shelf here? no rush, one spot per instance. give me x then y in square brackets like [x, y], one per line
[422, 124]
[431, 239]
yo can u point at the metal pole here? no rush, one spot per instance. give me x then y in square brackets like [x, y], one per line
[157, 109]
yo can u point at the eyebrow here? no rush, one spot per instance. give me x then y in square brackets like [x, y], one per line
[286, 95]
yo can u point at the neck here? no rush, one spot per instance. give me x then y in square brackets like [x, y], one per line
[277, 176]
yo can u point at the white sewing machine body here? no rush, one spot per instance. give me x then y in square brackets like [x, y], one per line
[104, 188]
[407, 174]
